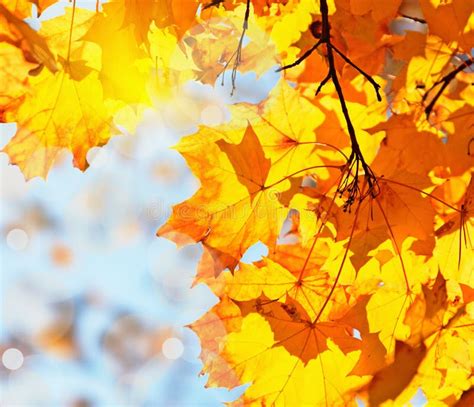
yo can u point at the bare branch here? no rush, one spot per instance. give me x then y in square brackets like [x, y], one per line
[350, 185]
[323, 82]
[213, 3]
[444, 82]
[366, 75]
[356, 161]
[301, 58]
[237, 55]
[416, 19]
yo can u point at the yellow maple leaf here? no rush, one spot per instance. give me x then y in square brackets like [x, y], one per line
[58, 113]
[240, 208]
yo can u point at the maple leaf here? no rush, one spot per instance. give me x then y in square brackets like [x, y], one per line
[20, 34]
[208, 47]
[389, 382]
[288, 141]
[454, 246]
[119, 58]
[71, 116]
[19, 8]
[446, 370]
[373, 353]
[294, 329]
[378, 10]
[42, 4]
[275, 282]
[249, 358]
[239, 209]
[13, 75]
[450, 19]
[213, 328]
[178, 15]
[59, 108]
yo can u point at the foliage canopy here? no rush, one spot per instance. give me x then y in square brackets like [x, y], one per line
[355, 172]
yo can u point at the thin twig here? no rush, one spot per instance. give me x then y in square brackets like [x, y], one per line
[444, 82]
[322, 83]
[366, 75]
[301, 58]
[213, 3]
[237, 55]
[416, 19]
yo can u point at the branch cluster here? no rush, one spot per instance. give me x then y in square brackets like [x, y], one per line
[355, 162]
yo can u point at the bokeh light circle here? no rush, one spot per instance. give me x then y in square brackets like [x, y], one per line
[12, 359]
[172, 348]
[17, 239]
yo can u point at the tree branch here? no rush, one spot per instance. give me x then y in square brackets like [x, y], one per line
[301, 58]
[356, 161]
[213, 3]
[322, 83]
[444, 82]
[366, 75]
[237, 55]
[415, 19]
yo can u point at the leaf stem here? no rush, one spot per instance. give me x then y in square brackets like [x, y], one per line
[421, 192]
[70, 31]
[341, 267]
[340, 167]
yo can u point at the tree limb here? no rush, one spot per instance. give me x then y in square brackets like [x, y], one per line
[444, 82]
[237, 55]
[356, 161]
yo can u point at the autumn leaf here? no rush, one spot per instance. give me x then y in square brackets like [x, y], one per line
[13, 76]
[451, 19]
[240, 209]
[389, 383]
[360, 277]
[120, 58]
[207, 46]
[296, 331]
[20, 34]
[72, 116]
[179, 15]
[454, 241]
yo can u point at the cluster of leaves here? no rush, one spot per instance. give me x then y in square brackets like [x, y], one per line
[355, 172]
